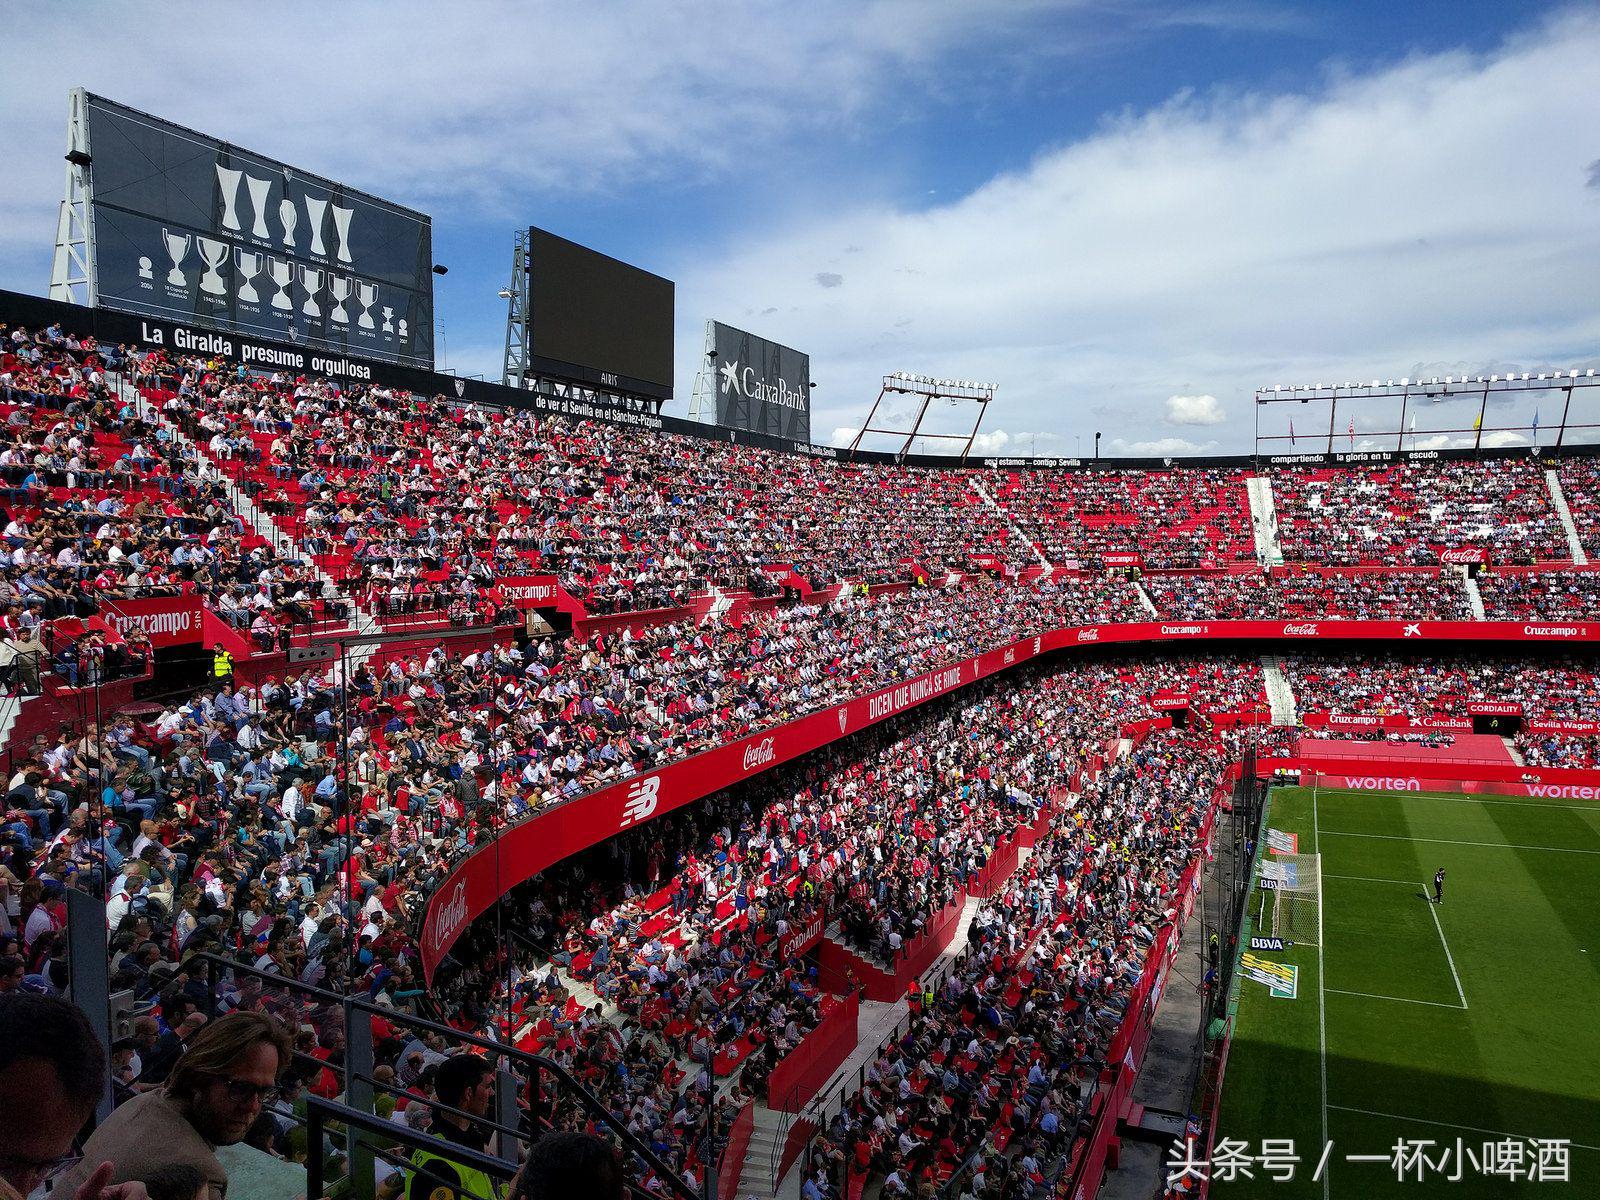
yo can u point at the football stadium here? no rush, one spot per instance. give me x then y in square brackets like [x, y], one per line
[591, 752]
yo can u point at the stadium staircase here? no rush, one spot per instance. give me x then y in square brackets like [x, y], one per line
[264, 526]
[1474, 596]
[1022, 538]
[1280, 696]
[1559, 500]
[1264, 521]
[1144, 599]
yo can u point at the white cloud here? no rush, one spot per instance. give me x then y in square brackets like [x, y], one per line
[1160, 446]
[1194, 410]
[1218, 243]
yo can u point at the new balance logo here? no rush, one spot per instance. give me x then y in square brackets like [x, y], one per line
[643, 797]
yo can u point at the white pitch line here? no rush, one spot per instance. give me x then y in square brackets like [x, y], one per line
[1484, 802]
[1433, 841]
[1322, 980]
[1398, 999]
[1367, 1112]
[1433, 910]
[1371, 879]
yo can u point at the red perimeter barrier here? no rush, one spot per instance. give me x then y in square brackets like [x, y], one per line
[732, 1165]
[802, 1071]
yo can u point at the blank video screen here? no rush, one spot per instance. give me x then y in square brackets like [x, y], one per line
[592, 311]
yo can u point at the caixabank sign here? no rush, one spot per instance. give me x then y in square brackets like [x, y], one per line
[762, 387]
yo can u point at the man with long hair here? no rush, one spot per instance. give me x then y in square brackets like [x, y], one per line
[219, 1086]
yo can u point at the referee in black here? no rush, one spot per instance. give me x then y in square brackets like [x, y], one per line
[1438, 886]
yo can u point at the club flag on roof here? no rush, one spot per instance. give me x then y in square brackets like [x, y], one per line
[1352, 433]
[1536, 424]
[1478, 424]
[1291, 431]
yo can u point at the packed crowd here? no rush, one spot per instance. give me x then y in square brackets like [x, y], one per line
[1548, 690]
[1306, 596]
[991, 1081]
[1548, 596]
[1580, 487]
[1179, 519]
[1407, 514]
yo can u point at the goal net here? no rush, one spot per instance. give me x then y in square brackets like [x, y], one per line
[1296, 900]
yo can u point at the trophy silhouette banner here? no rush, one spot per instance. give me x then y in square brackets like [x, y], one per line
[388, 320]
[289, 216]
[281, 271]
[250, 264]
[177, 250]
[311, 280]
[341, 228]
[339, 289]
[213, 254]
[315, 211]
[366, 297]
[229, 179]
[259, 188]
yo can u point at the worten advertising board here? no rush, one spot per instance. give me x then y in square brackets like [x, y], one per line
[762, 387]
[188, 228]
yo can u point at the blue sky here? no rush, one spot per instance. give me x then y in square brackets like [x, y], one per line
[1127, 215]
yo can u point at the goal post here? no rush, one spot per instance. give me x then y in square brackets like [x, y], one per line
[1296, 901]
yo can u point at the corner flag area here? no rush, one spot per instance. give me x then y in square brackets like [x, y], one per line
[1442, 1049]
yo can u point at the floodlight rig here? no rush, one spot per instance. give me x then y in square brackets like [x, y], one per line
[906, 384]
[1434, 390]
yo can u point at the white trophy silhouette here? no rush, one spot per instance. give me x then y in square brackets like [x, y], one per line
[311, 278]
[403, 331]
[214, 254]
[366, 296]
[258, 204]
[177, 250]
[282, 273]
[288, 215]
[315, 211]
[250, 264]
[341, 227]
[339, 289]
[388, 320]
[229, 179]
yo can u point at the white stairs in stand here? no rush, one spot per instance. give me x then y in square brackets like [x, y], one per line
[1264, 521]
[264, 525]
[1010, 524]
[1144, 599]
[1280, 696]
[721, 602]
[1559, 500]
[1474, 596]
[756, 1179]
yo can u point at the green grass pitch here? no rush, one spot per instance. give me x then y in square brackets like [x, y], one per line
[1478, 1019]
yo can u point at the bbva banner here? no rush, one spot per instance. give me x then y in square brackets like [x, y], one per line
[762, 387]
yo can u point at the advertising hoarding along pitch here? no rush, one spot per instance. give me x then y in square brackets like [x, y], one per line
[762, 387]
[189, 228]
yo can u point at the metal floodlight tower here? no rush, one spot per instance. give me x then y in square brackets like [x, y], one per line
[72, 276]
[1435, 390]
[703, 400]
[514, 369]
[956, 391]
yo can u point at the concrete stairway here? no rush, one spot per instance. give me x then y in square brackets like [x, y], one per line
[1144, 599]
[763, 1152]
[1016, 529]
[1264, 521]
[1559, 500]
[1280, 696]
[1474, 596]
